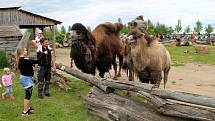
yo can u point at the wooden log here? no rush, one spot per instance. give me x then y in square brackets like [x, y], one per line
[86, 77]
[185, 97]
[113, 107]
[137, 86]
[60, 80]
[180, 110]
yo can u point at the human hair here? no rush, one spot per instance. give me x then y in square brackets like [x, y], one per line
[19, 52]
[5, 70]
[42, 40]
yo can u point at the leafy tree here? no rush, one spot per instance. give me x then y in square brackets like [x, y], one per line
[31, 34]
[63, 30]
[161, 29]
[209, 29]
[178, 27]
[119, 20]
[150, 28]
[198, 27]
[170, 30]
[187, 29]
[125, 29]
[69, 28]
[60, 37]
[89, 28]
[47, 33]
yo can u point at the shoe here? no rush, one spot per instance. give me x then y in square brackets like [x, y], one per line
[3, 97]
[30, 110]
[40, 96]
[25, 114]
[11, 97]
[47, 94]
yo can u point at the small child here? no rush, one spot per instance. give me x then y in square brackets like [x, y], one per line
[7, 83]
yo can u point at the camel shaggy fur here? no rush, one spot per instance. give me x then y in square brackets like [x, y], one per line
[96, 49]
[147, 58]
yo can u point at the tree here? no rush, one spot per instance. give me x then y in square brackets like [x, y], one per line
[150, 29]
[47, 33]
[31, 34]
[178, 27]
[63, 30]
[125, 29]
[161, 29]
[170, 30]
[119, 20]
[187, 29]
[198, 27]
[209, 29]
[89, 28]
[70, 28]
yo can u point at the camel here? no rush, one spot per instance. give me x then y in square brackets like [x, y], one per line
[147, 58]
[96, 49]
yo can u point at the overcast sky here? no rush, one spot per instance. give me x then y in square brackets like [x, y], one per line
[93, 12]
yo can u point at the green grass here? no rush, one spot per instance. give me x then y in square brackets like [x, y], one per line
[61, 106]
[186, 54]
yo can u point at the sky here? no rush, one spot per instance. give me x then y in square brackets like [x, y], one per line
[93, 12]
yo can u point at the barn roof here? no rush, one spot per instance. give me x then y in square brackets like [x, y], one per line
[20, 17]
[10, 31]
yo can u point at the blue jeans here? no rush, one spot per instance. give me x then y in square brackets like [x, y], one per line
[8, 90]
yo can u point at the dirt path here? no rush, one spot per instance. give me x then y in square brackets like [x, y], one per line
[193, 78]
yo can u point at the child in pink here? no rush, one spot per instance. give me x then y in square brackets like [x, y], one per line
[7, 83]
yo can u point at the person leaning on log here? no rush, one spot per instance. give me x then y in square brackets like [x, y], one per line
[45, 63]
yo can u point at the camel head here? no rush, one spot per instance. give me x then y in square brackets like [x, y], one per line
[136, 37]
[76, 33]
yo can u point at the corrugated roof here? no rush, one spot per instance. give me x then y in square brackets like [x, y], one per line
[9, 31]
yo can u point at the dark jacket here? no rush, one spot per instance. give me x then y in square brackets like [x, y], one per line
[45, 59]
[26, 66]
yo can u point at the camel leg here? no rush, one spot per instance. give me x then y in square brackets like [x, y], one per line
[120, 65]
[115, 68]
[71, 63]
[144, 76]
[166, 72]
[156, 77]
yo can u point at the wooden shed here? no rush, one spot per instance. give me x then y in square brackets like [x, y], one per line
[15, 17]
[9, 38]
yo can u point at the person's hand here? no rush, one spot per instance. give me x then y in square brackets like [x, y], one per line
[46, 52]
[54, 68]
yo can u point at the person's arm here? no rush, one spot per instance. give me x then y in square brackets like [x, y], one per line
[53, 61]
[12, 74]
[3, 80]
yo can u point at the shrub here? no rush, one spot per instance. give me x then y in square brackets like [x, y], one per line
[3, 59]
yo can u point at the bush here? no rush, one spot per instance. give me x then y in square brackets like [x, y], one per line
[3, 59]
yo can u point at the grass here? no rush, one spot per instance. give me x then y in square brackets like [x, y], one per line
[61, 106]
[187, 54]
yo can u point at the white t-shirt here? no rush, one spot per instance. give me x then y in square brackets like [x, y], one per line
[39, 46]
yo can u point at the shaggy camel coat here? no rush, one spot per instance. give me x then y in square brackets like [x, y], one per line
[149, 56]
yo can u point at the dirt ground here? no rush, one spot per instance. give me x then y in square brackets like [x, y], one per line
[191, 78]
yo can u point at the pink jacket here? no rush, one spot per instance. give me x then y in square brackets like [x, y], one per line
[7, 79]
